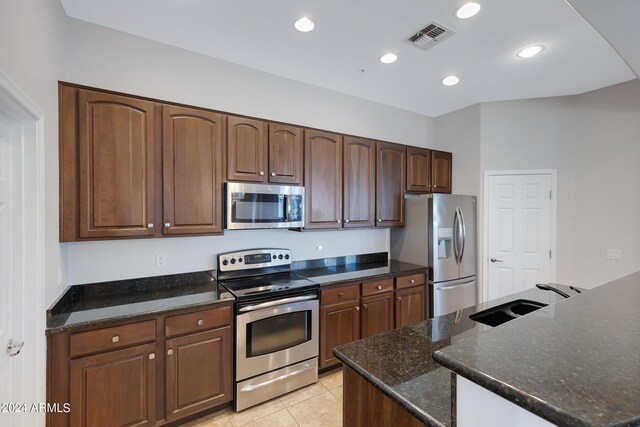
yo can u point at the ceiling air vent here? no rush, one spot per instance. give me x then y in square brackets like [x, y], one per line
[430, 35]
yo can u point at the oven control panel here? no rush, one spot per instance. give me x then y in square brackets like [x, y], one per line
[253, 258]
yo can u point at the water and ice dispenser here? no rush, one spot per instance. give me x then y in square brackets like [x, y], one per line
[445, 242]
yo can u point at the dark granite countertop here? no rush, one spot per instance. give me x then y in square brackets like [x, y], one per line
[96, 304]
[400, 363]
[573, 363]
[333, 274]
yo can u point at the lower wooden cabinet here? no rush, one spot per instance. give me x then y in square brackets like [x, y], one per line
[158, 370]
[116, 388]
[410, 306]
[197, 374]
[377, 314]
[353, 311]
[340, 324]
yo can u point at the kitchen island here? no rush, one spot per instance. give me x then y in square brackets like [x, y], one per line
[574, 362]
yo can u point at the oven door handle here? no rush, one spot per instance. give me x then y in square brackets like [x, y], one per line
[252, 387]
[276, 302]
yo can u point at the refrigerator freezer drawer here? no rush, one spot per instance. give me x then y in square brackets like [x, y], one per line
[453, 295]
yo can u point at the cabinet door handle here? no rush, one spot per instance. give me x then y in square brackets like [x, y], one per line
[150, 225]
[170, 352]
[379, 219]
[167, 224]
[412, 281]
[200, 322]
[261, 173]
[357, 308]
[379, 287]
[152, 356]
[346, 220]
[365, 306]
[399, 298]
[115, 338]
[273, 174]
[338, 221]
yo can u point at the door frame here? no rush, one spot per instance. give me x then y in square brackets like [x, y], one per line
[29, 301]
[552, 173]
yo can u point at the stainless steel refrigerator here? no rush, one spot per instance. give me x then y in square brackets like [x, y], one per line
[440, 232]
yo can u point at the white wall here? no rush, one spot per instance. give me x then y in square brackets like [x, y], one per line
[592, 140]
[109, 59]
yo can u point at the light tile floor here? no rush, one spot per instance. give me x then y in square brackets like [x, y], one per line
[319, 404]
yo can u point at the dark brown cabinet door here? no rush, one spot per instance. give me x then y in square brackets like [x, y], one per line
[359, 168]
[377, 314]
[116, 165]
[390, 184]
[441, 171]
[339, 324]
[286, 146]
[192, 171]
[418, 170]
[246, 149]
[198, 372]
[323, 179]
[410, 306]
[114, 389]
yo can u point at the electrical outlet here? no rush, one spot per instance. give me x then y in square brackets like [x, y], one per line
[370, 243]
[319, 247]
[161, 260]
[614, 254]
[59, 275]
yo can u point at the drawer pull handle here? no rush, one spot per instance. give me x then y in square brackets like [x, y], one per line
[379, 287]
[152, 356]
[261, 173]
[412, 281]
[357, 308]
[341, 294]
[170, 352]
[200, 322]
[115, 338]
[150, 225]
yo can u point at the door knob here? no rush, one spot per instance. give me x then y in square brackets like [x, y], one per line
[496, 260]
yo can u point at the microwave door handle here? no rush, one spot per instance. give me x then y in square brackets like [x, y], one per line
[287, 199]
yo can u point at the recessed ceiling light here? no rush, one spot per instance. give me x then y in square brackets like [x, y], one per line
[467, 10]
[388, 58]
[529, 51]
[450, 80]
[304, 24]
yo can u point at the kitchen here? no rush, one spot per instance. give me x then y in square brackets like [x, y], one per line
[566, 133]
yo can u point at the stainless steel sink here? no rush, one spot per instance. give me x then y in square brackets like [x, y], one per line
[503, 313]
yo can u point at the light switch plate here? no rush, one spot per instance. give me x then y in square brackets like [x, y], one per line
[614, 254]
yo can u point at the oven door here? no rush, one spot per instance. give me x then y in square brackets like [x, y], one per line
[275, 336]
[264, 206]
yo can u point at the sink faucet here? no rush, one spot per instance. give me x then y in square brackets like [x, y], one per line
[551, 288]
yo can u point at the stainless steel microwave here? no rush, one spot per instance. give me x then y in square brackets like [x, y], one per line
[264, 206]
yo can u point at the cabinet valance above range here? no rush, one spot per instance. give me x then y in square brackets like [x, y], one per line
[134, 167]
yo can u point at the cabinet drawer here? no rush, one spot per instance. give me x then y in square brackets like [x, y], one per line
[342, 293]
[411, 280]
[197, 321]
[377, 287]
[106, 339]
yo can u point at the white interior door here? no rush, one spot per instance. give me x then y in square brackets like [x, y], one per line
[518, 232]
[6, 264]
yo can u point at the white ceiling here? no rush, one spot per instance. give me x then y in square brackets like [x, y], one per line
[351, 35]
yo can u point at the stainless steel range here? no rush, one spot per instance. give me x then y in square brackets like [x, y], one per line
[276, 324]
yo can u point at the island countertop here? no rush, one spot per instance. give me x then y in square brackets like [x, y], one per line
[399, 362]
[572, 363]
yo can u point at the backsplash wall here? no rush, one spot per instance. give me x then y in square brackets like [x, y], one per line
[90, 262]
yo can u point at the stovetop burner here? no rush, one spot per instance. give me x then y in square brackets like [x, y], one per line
[259, 274]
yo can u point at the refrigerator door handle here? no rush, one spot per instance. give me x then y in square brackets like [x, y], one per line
[455, 236]
[463, 234]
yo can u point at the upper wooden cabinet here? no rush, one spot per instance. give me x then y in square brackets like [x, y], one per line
[246, 149]
[359, 166]
[286, 147]
[116, 165]
[441, 171]
[323, 179]
[390, 184]
[192, 171]
[418, 170]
